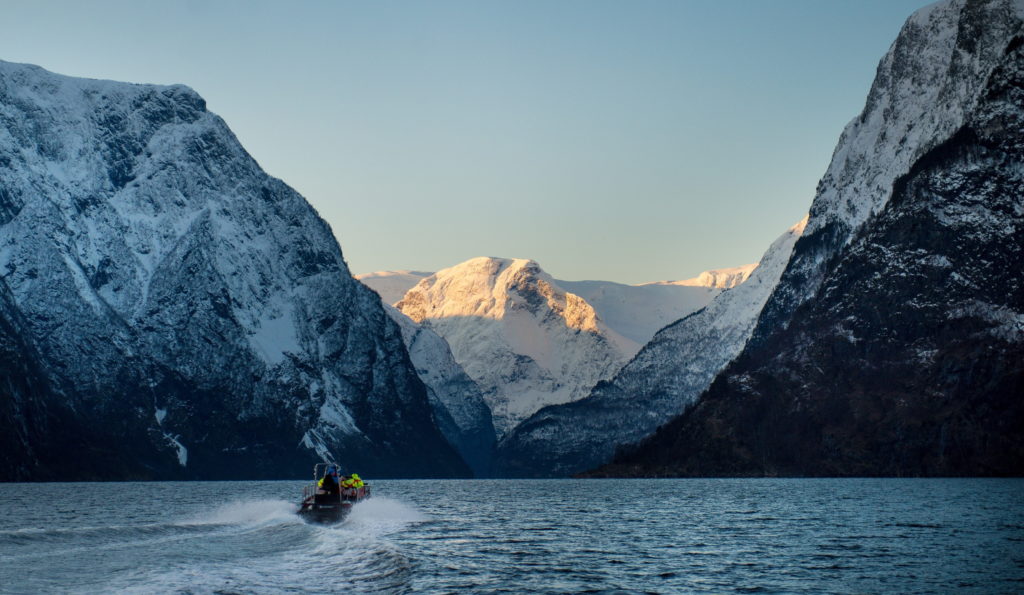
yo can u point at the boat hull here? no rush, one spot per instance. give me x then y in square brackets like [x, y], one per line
[325, 513]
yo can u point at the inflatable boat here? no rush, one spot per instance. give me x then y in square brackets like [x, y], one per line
[331, 495]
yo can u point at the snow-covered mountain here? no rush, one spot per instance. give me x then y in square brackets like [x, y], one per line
[894, 342]
[193, 317]
[717, 278]
[392, 285]
[664, 378]
[925, 88]
[462, 415]
[525, 341]
[638, 311]
[634, 311]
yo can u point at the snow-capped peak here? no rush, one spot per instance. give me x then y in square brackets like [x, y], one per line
[924, 87]
[716, 278]
[522, 338]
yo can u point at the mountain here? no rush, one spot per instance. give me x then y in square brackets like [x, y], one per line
[894, 342]
[717, 278]
[638, 311]
[178, 312]
[24, 388]
[664, 378]
[634, 311]
[459, 408]
[525, 341]
[392, 285]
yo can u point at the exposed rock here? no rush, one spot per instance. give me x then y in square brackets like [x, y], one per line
[894, 344]
[199, 310]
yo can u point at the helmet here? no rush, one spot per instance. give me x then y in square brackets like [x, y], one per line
[355, 476]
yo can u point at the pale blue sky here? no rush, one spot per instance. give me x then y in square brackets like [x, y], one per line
[626, 141]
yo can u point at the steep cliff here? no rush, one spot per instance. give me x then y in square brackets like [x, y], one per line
[197, 309]
[894, 344]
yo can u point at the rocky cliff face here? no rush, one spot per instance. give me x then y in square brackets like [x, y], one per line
[193, 307]
[459, 408]
[893, 344]
[23, 392]
[660, 382]
[525, 341]
[925, 88]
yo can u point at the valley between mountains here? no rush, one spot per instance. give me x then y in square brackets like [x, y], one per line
[168, 310]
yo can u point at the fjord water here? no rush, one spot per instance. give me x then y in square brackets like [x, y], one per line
[559, 536]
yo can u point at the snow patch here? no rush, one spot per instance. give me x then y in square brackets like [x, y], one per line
[182, 451]
[275, 335]
[312, 440]
[336, 415]
[1007, 324]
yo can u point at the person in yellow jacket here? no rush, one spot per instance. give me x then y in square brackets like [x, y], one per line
[357, 481]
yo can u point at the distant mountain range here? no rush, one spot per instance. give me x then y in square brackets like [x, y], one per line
[660, 381]
[530, 341]
[634, 311]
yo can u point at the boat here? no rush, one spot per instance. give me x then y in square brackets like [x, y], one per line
[322, 504]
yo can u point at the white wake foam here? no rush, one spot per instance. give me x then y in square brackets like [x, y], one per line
[247, 512]
[381, 509]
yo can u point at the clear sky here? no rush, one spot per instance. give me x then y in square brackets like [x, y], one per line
[628, 141]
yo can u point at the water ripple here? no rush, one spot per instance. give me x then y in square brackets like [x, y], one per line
[599, 536]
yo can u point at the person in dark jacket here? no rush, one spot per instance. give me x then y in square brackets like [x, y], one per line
[329, 482]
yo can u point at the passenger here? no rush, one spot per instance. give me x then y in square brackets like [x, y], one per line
[329, 482]
[358, 487]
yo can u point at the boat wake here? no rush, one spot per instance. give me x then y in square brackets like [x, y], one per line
[247, 512]
[262, 546]
[382, 515]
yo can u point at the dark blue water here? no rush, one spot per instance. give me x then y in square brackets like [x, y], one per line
[562, 536]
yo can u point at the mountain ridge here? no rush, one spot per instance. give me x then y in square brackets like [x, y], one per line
[200, 308]
[893, 348]
[660, 381]
[525, 341]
